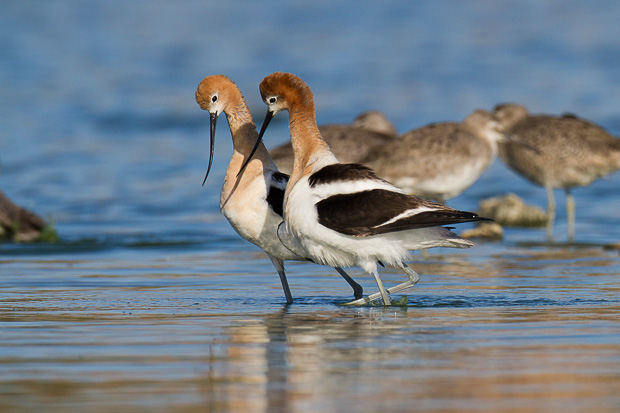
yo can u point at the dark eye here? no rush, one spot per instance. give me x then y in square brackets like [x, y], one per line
[272, 100]
[214, 99]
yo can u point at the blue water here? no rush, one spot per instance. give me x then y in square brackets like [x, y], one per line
[151, 302]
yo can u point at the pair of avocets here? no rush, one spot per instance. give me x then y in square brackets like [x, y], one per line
[327, 212]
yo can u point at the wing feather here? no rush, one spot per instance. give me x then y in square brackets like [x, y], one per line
[275, 192]
[381, 211]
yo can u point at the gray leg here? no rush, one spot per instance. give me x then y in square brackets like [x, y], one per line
[550, 212]
[358, 291]
[279, 264]
[384, 295]
[413, 279]
[570, 214]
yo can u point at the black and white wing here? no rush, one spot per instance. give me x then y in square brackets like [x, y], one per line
[379, 210]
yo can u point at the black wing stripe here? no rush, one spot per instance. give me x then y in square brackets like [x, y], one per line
[339, 172]
[365, 213]
[275, 192]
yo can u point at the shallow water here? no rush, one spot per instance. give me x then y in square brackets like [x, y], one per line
[151, 302]
[522, 328]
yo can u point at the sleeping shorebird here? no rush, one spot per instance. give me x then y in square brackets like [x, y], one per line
[441, 160]
[350, 143]
[252, 201]
[568, 152]
[343, 214]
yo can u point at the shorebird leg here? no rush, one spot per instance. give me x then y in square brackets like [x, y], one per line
[358, 290]
[279, 264]
[384, 294]
[550, 212]
[413, 279]
[570, 214]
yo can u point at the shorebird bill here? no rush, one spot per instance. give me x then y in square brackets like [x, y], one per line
[268, 116]
[213, 122]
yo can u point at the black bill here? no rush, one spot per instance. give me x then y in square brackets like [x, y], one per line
[213, 123]
[263, 128]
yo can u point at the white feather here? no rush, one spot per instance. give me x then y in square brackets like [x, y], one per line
[323, 191]
[406, 214]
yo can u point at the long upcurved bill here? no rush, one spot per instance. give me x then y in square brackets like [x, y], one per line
[213, 123]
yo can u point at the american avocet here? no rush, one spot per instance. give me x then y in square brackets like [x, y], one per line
[441, 160]
[568, 152]
[252, 201]
[350, 143]
[343, 214]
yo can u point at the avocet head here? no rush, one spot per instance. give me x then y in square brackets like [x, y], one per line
[281, 91]
[214, 94]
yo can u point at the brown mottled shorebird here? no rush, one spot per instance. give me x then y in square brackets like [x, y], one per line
[560, 152]
[251, 201]
[441, 160]
[350, 143]
[343, 214]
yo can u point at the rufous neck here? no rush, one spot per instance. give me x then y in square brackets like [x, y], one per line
[241, 124]
[305, 138]
[244, 136]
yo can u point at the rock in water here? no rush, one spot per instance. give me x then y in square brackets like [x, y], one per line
[487, 230]
[18, 223]
[510, 210]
